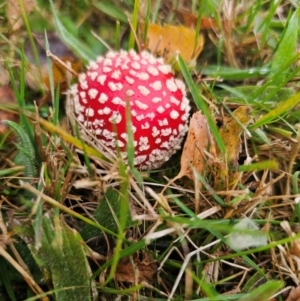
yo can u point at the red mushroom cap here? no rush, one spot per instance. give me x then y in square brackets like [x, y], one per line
[158, 105]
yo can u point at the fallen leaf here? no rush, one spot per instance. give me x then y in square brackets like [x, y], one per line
[199, 149]
[294, 294]
[14, 12]
[60, 73]
[134, 270]
[169, 40]
[190, 20]
[231, 132]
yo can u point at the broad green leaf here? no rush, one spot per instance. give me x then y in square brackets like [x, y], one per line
[63, 260]
[26, 155]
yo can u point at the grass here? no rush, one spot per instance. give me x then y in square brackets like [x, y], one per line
[76, 225]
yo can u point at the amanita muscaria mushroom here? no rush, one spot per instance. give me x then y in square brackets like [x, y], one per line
[157, 100]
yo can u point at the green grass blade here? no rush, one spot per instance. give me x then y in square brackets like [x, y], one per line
[54, 98]
[286, 50]
[63, 255]
[74, 43]
[276, 113]
[129, 250]
[184, 208]
[252, 13]
[263, 165]
[198, 25]
[155, 10]
[5, 279]
[11, 171]
[124, 291]
[63, 134]
[265, 27]
[19, 94]
[210, 189]
[109, 8]
[264, 292]
[230, 73]
[118, 36]
[135, 16]
[31, 39]
[124, 213]
[147, 21]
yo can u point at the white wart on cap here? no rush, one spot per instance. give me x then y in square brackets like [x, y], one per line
[158, 105]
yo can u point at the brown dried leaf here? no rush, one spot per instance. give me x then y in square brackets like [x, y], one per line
[294, 294]
[231, 132]
[136, 270]
[169, 40]
[199, 149]
[14, 12]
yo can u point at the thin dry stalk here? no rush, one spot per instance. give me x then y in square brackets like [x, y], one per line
[28, 278]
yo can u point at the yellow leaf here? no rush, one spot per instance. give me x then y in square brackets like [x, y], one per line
[231, 132]
[169, 40]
